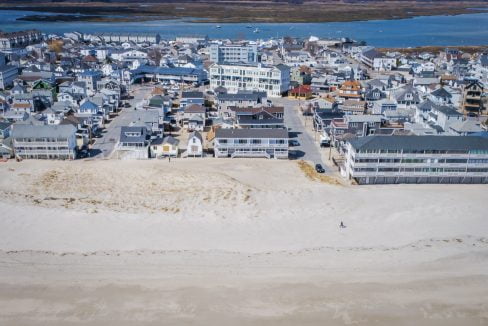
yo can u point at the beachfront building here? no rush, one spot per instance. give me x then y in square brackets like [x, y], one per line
[269, 143]
[233, 53]
[133, 143]
[44, 141]
[417, 159]
[274, 80]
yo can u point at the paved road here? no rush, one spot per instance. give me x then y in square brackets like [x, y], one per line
[104, 145]
[308, 149]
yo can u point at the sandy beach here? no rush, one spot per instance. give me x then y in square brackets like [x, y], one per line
[235, 242]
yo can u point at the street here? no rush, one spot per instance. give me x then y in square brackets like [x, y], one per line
[104, 145]
[308, 149]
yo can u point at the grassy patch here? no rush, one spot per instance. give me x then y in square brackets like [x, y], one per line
[311, 174]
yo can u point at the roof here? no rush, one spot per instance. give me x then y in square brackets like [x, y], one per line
[178, 71]
[195, 108]
[132, 139]
[192, 95]
[462, 143]
[88, 105]
[466, 126]
[4, 125]
[195, 134]
[408, 89]
[372, 53]
[447, 110]
[259, 119]
[241, 96]
[251, 133]
[170, 140]
[42, 131]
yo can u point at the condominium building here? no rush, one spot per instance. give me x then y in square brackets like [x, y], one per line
[417, 159]
[274, 80]
[12, 40]
[44, 141]
[233, 53]
[269, 143]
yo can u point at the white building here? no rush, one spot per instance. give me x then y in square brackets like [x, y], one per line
[251, 143]
[417, 159]
[274, 80]
[44, 141]
[233, 53]
[195, 144]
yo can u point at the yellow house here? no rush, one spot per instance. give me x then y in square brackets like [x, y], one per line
[164, 147]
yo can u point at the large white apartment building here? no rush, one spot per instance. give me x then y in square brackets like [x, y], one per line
[417, 159]
[44, 141]
[233, 53]
[274, 80]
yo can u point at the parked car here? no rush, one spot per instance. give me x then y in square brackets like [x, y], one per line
[319, 168]
[293, 142]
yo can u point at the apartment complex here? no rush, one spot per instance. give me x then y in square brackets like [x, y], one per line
[274, 80]
[233, 53]
[269, 143]
[12, 40]
[44, 141]
[417, 159]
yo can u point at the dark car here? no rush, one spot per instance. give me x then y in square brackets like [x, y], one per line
[127, 105]
[293, 142]
[83, 154]
[319, 168]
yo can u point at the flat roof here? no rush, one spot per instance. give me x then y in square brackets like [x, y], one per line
[251, 133]
[462, 143]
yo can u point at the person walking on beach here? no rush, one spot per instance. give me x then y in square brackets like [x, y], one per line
[342, 226]
[169, 159]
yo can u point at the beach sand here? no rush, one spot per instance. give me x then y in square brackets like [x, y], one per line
[235, 242]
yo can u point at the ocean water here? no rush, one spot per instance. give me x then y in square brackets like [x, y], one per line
[467, 29]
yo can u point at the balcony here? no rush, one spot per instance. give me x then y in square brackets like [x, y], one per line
[248, 145]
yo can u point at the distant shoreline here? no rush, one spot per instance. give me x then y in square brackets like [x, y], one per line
[244, 13]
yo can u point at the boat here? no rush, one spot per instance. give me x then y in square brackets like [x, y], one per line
[248, 26]
[256, 30]
[218, 26]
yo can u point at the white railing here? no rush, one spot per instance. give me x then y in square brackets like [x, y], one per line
[227, 145]
[250, 153]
